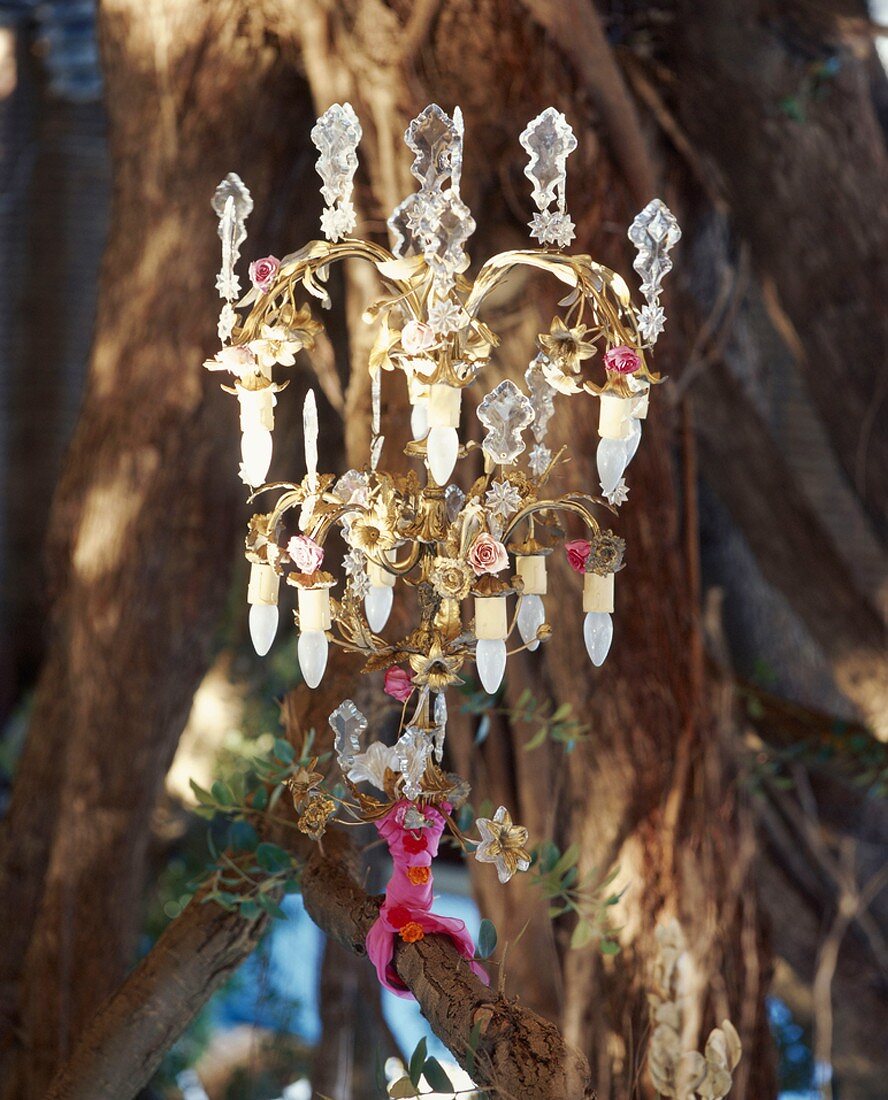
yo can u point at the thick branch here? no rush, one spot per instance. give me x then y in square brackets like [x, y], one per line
[130, 1033]
[519, 1053]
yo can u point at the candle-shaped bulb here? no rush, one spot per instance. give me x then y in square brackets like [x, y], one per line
[263, 626]
[490, 660]
[531, 616]
[256, 449]
[312, 651]
[378, 606]
[598, 633]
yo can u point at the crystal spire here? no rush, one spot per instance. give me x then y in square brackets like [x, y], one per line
[336, 135]
[549, 140]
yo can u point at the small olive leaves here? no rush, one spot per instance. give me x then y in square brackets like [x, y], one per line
[684, 1075]
[505, 412]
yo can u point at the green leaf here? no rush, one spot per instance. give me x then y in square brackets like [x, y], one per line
[417, 1060]
[402, 1089]
[242, 836]
[568, 859]
[250, 909]
[582, 936]
[202, 796]
[486, 939]
[271, 857]
[609, 947]
[436, 1076]
[538, 739]
[283, 750]
[260, 798]
[221, 793]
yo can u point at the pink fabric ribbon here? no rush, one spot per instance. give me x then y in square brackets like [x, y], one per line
[408, 900]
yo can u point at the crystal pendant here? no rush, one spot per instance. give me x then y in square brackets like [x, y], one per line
[378, 606]
[611, 460]
[442, 447]
[263, 626]
[490, 660]
[598, 633]
[312, 651]
[256, 449]
[531, 616]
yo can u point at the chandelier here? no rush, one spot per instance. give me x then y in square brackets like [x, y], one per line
[472, 547]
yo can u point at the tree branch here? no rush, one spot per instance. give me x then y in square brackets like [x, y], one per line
[519, 1053]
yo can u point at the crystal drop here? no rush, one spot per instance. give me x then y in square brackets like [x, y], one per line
[505, 412]
[312, 651]
[419, 418]
[256, 448]
[531, 616]
[490, 660]
[310, 437]
[263, 626]
[378, 606]
[598, 633]
[348, 725]
[611, 461]
[442, 447]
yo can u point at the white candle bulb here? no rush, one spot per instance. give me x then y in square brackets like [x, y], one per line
[312, 651]
[256, 448]
[442, 445]
[598, 633]
[531, 616]
[632, 440]
[419, 418]
[611, 460]
[490, 660]
[263, 626]
[378, 606]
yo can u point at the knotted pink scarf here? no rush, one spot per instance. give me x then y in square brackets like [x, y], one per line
[406, 911]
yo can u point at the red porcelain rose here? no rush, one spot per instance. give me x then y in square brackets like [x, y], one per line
[578, 554]
[622, 360]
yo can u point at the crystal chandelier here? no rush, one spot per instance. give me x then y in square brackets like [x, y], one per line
[475, 552]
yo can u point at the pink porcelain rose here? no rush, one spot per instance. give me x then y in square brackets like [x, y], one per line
[622, 360]
[578, 551]
[487, 555]
[305, 553]
[417, 337]
[398, 684]
[262, 272]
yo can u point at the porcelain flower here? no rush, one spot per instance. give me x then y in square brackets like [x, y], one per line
[370, 766]
[262, 272]
[578, 551]
[416, 337]
[487, 555]
[307, 556]
[398, 684]
[622, 360]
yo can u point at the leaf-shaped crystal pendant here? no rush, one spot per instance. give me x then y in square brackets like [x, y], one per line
[435, 220]
[336, 135]
[440, 718]
[232, 204]
[654, 232]
[414, 747]
[348, 725]
[542, 397]
[505, 412]
[549, 140]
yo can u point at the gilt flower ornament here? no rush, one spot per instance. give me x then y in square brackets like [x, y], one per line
[471, 528]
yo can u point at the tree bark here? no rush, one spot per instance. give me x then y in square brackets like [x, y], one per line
[142, 528]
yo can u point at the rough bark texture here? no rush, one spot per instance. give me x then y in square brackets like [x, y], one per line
[129, 1035]
[519, 1052]
[143, 520]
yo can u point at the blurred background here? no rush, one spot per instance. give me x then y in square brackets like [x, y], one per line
[730, 759]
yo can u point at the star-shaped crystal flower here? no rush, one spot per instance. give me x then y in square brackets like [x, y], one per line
[539, 460]
[651, 322]
[503, 499]
[446, 316]
[503, 844]
[619, 494]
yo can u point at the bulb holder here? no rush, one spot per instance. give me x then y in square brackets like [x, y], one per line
[264, 584]
[531, 568]
[445, 403]
[613, 418]
[442, 447]
[598, 592]
[491, 618]
[314, 609]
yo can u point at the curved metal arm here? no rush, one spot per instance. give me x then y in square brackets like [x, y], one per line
[398, 568]
[563, 505]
